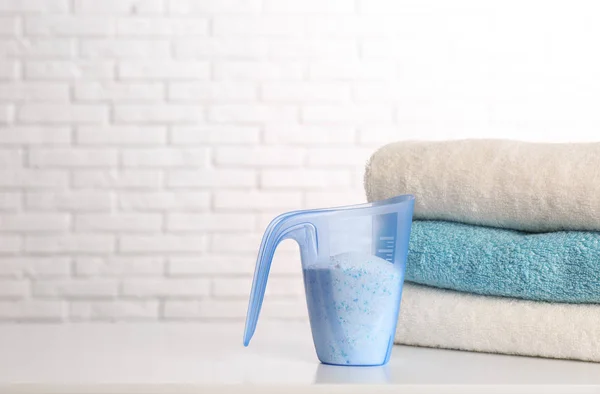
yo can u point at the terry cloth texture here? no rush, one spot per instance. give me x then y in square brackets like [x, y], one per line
[526, 186]
[453, 320]
[558, 266]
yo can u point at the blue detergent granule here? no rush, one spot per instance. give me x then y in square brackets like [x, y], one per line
[353, 301]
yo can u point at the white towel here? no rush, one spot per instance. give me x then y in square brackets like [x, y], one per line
[434, 317]
[520, 185]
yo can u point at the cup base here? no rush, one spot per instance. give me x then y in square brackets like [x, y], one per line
[353, 365]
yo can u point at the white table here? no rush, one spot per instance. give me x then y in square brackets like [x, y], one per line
[197, 358]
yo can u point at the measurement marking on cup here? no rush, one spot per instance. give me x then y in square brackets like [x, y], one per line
[387, 252]
[384, 236]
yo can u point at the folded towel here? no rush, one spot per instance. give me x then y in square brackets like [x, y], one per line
[453, 320]
[511, 184]
[559, 266]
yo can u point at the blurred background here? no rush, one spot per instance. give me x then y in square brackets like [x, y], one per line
[146, 144]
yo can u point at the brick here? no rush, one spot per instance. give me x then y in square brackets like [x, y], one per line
[212, 91]
[37, 48]
[257, 200]
[164, 201]
[364, 70]
[31, 310]
[33, 178]
[119, 92]
[119, 7]
[386, 7]
[338, 156]
[166, 287]
[117, 179]
[380, 48]
[211, 264]
[378, 136]
[308, 6]
[31, 222]
[304, 178]
[233, 287]
[166, 157]
[232, 113]
[378, 92]
[235, 243]
[168, 243]
[10, 244]
[13, 288]
[121, 135]
[124, 48]
[308, 134]
[347, 114]
[9, 26]
[114, 310]
[119, 266]
[215, 134]
[6, 114]
[355, 26]
[77, 26]
[259, 156]
[35, 267]
[313, 48]
[164, 70]
[66, 157]
[9, 69]
[210, 178]
[185, 7]
[11, 158]
[84, 200]
[258, 70]
[161, 26]
[80, 288]
[358, 177]
[248, 26]
[69, 70]
[41, 6]
[56, 113]
[69, 243]
[221, 48]
[208, 309]
[33, 91]
[306, 92]
[118, 222]
[10, 201]
[33, 135]
[158, 113]
[209, 222]
[240, 287]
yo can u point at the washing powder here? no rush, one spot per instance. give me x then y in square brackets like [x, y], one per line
[352, 304]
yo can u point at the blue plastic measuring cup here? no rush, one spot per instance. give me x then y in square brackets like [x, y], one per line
[353, 262]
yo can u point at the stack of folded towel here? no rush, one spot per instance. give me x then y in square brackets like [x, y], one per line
[505, 248]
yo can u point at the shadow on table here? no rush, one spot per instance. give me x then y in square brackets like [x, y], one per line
[332, 374]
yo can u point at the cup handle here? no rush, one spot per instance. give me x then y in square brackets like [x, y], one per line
[286, 226]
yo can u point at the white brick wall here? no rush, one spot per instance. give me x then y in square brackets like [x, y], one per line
[146, 144]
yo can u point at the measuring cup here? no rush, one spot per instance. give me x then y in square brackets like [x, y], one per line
[353, 262]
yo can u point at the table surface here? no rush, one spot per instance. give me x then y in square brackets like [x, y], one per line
[188, 357]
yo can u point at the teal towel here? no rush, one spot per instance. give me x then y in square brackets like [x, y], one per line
[559, 266]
